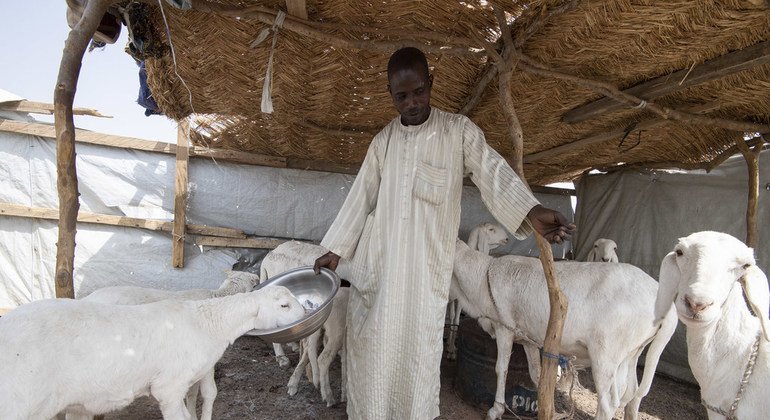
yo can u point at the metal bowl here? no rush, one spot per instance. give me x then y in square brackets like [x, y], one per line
[304, 284]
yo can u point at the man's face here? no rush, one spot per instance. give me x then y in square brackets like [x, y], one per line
[410, 91]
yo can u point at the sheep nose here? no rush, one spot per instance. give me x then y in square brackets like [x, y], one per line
[696, 305]
[605, 259]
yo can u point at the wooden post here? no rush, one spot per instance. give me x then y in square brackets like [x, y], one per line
[66, 181]
[752, 163]
[180, 194]
[557, 299]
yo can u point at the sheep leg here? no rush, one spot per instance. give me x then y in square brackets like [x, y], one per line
[630, 400]
[312, 354]
[297, 374]
[208, 389]
[603, 370]
[280, 356]
[454, 314]
[174, 408]
[344, 373]
[331, 348]
[191, 401]
[533, 362]
[504, 346]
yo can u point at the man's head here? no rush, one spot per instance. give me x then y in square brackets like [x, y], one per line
[409, 84]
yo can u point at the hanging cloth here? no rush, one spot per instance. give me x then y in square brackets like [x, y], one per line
[267, 87]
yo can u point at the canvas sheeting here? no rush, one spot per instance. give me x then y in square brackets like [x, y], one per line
[258, 200]
[645, 212]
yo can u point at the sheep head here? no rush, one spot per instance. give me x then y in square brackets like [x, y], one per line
[278, 307]
[604, 250]
[487, 236]
[700, 273]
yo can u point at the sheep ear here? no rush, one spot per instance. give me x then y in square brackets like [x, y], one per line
[668, 286]
[483, 244]
[754, 285]
[473, 239]
[591, 256]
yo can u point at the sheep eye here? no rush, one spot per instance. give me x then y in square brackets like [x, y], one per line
[596, 246]
[679, 252]
[284, 305]
[746, 266]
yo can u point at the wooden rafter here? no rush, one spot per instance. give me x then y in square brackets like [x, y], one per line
[714, 69]
[614, 134]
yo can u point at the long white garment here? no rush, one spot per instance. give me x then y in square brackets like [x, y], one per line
[399, 224]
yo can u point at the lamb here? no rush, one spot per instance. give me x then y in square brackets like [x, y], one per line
[705, 278]
[236, 282]
[609, 322]
[604, 250]
[86, 358]
[334, 343]
[483, 237]
[290, 255]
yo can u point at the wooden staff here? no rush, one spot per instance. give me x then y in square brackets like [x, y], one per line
[557, 299]
[67, 181]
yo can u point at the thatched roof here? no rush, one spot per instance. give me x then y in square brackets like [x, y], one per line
[329, 87]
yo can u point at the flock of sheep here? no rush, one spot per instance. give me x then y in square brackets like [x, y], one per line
[96, 354]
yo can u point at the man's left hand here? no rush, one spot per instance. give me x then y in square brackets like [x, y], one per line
[554, 227]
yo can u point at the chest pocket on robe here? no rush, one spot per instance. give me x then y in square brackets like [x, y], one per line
[430, 183]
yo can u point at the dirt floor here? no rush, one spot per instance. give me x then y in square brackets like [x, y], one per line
[252, 386]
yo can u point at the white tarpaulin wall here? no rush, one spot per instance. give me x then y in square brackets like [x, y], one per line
[646, 212]
[258, 200]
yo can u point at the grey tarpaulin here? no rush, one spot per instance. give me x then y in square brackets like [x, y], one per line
[645, 212]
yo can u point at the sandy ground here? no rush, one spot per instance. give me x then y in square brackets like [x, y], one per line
[252, 386]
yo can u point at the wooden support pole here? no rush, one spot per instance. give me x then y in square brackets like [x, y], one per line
[66, 181]
[180, 194]
[752, 163]
[557, 299]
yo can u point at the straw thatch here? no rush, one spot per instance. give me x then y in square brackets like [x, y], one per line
[329, 87]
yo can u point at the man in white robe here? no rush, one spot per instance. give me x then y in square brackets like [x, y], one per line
[399, 224]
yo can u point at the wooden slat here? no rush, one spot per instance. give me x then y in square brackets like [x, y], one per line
[262, 243]
[614, 134]
[297, 8]
[714, 69]
[89, 137]
[33, 107]
[180, 195]
[239, 157]
[7, 209]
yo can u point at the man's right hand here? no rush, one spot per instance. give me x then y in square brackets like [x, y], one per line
[328, 260]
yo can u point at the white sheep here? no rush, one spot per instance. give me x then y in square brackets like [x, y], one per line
[604, 250]
[235, 282]
[86, 358]
[288, 256]
[483, 237]
[609, 322]
[706, 278]
[334, 343]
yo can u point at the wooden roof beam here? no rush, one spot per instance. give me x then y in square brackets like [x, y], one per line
[710, 70]
[613, 134]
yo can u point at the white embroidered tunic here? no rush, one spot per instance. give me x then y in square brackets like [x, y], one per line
[398, 224]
